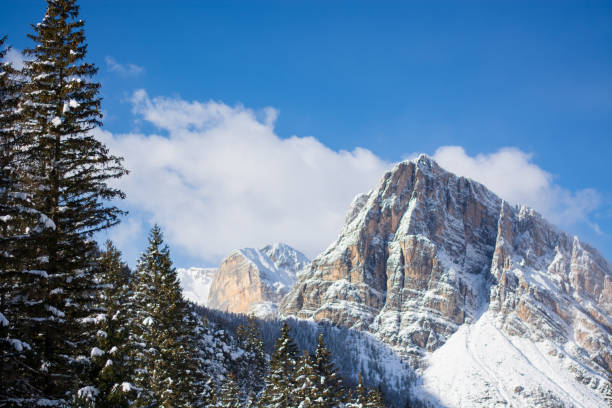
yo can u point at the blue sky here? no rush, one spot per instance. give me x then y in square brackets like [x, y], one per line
[393, 78]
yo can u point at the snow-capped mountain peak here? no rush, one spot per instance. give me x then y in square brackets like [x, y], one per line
[196, 283]
[254, 281]
[428, 261]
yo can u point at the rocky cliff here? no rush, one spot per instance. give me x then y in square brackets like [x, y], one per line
[255, 280]
[427, 256]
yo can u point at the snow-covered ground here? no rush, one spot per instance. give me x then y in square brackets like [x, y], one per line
[482, 366]
[196, 283]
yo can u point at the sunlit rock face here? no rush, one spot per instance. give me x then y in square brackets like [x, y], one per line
[427, 252]
[253, 281]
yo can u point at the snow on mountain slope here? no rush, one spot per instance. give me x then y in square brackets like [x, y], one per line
[424, 254]
[196, 283]
[254, 281]
[480, 365]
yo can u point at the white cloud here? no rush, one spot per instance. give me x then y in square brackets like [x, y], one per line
[512, 175]
[220, 179]
[123, 69]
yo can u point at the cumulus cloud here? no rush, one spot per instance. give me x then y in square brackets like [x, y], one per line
[123, 69]
[512, 175]
[218, 177]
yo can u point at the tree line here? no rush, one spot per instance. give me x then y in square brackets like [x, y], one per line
[77, 327]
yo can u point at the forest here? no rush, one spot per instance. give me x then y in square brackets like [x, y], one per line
[78, 328]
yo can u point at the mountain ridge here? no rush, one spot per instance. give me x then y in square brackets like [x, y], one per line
[426, 253]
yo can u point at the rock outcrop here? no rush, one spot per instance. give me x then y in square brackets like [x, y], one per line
[253, 281]
[426, 253]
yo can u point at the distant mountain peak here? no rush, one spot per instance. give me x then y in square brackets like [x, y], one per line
[253, 280]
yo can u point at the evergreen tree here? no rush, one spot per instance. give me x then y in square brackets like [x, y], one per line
[229, 397]
[112, 369]
[609, 393]
[375, 399]
[360, 397]
[328, 389]
[163, 330]
[280, 382]
[251, 401]
[305, 381]
[197, 388]
[20, 225]
[254, 364]
[66, 179]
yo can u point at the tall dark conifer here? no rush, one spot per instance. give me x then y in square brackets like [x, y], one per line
[280, 382]
[360, 395]
[254, 364]
[328, 390]
[112, 369]
[166, 362]
[375, 399]
[68, 174]
[305, 381]
[20, 226]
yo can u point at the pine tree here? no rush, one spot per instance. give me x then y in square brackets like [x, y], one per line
[305, 381]
[20, 226]
[360, 397]
[165, 360]
[328, 389]
[375, 399]
[67, 179]
[197, 389]
[609, 393]
[112, 369]
[280, 382]
[254, 364]
[229, 397]
[251, 401]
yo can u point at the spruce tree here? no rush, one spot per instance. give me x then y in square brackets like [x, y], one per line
[165, 360]
[375, 399]
[251, 401]
[20, 226]
[228, 397]
[280, 382]
[328, 389]
[112, 368]
[67, 179]
[305, 381]
[609, 393]
[360, 396]
[254, 364]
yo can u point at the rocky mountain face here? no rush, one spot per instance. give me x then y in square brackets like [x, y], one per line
[253, 281]
[428, 258]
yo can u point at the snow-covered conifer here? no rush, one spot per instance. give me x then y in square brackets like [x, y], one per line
[229, 394]
[112, 368]
[280, 382]
[328, 388]
[305, 381]
[254, 363]
[66, 182]
[375, 399]
[166, 358]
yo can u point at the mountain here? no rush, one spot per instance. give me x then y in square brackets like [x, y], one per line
[255, 280]
[490, 303]
[196, 283]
